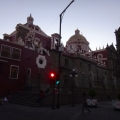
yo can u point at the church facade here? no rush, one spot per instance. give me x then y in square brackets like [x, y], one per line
[28, 55]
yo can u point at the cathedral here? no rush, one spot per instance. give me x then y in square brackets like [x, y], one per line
[28, 55]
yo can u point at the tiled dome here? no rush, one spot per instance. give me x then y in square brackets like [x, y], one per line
[77, 38]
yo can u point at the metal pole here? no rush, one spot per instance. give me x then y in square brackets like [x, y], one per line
[73, 105]
[53, 106]
[58, 105]
[67, 7]
[53, 102]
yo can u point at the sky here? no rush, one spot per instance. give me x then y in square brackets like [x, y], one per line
[97, 20]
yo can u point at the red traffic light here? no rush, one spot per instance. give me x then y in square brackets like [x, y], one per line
[52, 75]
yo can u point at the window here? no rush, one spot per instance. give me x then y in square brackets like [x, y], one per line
[6, 51]
[100, 56]
[28, 43]
[14, 72]
[16, 53]
[66, 63]
[28, 72]
[10, 52]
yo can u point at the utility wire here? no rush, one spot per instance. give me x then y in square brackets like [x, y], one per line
[52, 24]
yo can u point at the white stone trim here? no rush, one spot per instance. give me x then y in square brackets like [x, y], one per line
[35, 30]
[3, 60]
[42, 65]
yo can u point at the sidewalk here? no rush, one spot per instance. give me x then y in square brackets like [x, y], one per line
[18, 112]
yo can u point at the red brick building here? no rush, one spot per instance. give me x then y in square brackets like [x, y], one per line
[27, 56]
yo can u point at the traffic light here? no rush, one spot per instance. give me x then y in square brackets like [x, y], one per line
[57, 82]
[52, 77]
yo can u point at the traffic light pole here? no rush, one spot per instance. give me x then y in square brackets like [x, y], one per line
[73, 105]
[53, 102]
[53, 105]
[61, 16]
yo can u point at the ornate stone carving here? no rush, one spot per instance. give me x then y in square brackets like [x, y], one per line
[29, 39]
[91, 79]
[41, 50]
[36, 42]
[114, 82]
[104, 80]
[41, 61]
[20, 41]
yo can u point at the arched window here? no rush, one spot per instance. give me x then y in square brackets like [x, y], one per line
[28, 72]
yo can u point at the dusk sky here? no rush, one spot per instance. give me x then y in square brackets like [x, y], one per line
[97, 20]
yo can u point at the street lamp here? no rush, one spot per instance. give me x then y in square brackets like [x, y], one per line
[73, 75]
[82, 78]
[59, 45]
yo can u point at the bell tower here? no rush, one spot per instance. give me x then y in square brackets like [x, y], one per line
[117, 34]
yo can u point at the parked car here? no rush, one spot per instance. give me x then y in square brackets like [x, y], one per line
[116, 103]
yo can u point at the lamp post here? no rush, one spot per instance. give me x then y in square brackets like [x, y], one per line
[73, 75]
[60, 50]
[82, 78]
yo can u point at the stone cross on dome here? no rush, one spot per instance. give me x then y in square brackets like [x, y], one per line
[30, 19]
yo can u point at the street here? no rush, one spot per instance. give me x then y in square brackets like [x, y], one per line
[18, 112]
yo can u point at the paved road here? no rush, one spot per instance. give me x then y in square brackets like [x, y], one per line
[18, 112]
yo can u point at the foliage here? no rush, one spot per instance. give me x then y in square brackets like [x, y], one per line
[118, 96]
[92, 93]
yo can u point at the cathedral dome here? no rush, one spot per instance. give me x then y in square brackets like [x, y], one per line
[77, 38]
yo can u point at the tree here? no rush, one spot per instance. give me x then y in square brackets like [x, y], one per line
[92, 93]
